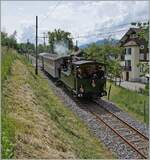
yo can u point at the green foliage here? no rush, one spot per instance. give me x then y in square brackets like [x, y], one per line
[144, 34]
[108, 54]
[41, 48]
[146, 90]
[59, 35]
[7, 138]
[26, 48]
[9, 41]
[145, 68]
[8, 57]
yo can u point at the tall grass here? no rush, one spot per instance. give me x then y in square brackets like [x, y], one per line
[8, 57]
[132, 102]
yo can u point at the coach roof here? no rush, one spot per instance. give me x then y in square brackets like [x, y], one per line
[52, 56]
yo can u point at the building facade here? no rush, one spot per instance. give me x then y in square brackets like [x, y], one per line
[135, 51]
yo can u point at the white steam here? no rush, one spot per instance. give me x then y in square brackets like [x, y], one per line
[61, 48]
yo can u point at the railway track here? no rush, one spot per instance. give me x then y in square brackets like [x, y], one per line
[129, 135]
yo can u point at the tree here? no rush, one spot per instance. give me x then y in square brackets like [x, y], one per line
[60, 35]
[24, 48]
[51, 41]
[9, 41]
[144, 33]
[144, 67]
[108, 54]
[41, 48]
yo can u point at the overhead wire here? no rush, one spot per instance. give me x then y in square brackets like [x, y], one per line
[57, 4]
[89, 35]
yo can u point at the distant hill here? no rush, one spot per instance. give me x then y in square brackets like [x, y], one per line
[100, 42]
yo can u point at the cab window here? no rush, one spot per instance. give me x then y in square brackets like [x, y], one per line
[90, 71]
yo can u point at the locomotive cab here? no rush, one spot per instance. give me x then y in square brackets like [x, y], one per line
[85, 78]
[90, 79]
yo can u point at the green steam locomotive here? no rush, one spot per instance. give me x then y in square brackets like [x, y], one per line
[84, 78]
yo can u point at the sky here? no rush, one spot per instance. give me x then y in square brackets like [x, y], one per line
[88, 21]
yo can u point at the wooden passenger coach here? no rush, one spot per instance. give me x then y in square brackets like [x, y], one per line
[51, 63]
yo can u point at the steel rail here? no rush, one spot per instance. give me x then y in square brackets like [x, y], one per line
[124, 122]
[100, 119]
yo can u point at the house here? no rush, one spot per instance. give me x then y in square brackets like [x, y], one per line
[135, 51]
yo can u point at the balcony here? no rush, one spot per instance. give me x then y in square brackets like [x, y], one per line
[127, 68]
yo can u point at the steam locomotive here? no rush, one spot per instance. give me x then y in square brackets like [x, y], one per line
[84, 78]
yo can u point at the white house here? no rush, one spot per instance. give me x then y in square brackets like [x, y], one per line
[135, 51]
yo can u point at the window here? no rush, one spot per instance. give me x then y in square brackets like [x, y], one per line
[129, 51]
[90, 70]
[141, 46]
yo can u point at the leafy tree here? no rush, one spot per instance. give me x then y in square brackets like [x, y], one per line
[24, 48]
[41, 48]
[145, 68]
[9, 41]
[108, 54]
[144, 34]
[31, 48]
[59, 35]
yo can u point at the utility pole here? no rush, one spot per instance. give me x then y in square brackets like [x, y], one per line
[76, 43]
[76, 47]
[28, 48]
[44, 39]
[36, 46]
[44, 36]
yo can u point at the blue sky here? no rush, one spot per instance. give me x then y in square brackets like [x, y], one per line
[91, 18]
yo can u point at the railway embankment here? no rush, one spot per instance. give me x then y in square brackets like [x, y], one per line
[35, 123]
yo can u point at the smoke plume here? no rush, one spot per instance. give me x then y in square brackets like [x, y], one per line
[61, 48]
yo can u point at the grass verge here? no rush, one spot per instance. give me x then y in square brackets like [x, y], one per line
[130, 101]
[8, 57]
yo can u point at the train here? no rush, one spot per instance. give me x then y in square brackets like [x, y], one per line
[82, 77]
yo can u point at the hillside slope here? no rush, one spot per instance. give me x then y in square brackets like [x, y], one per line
[37, 125]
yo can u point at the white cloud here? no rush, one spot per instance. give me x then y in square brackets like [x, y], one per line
[78, 17]
[20, 9]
